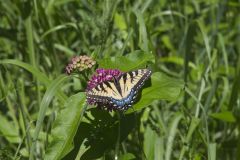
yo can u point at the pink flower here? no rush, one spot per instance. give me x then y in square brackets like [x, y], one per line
[101, 76]
[79, 63]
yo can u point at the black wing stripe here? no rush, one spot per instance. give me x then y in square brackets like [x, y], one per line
[124, 78]
[117, 85]
[136, 73]
[102, 87]
[131, 74]
[98, 89]
[109, 86]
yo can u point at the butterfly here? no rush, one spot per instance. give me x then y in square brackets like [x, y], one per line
[120, 92]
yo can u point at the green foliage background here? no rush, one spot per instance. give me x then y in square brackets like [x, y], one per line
[190, 109]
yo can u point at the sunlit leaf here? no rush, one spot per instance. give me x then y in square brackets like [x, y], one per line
[135, 60]
[119, 21]
[65, 127]
[224, 116]
[8, 130]
[162, 87]
[47, 98]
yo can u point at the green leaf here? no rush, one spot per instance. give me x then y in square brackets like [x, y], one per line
[143, 37]
[101, 133]
[119, 21]
[59, 27]
[131, 61]
[226, 116]
[65, 127]
[177, 60]
[127, 156]
[213, 148]
[47, 98]
[35, 72]
[168, 43]
[149, 145]
[162, 88]
[171, 135]
[8, 130]
[193, 125]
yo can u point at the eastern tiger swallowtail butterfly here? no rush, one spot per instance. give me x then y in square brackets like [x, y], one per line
[120, 92]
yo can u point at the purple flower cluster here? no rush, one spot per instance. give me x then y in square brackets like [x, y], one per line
[79, 63]
[101, 76]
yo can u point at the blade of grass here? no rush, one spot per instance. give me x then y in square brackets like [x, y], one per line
[212, 148]
[31, 51]
[224, 52]
[39, 75]
[205, 38]
[143, 38]
[193, 125]
[189, 33]
[202, 87]
[24, 114]
[59, 27]
[171, 135]
[206, 133]
[126, 41]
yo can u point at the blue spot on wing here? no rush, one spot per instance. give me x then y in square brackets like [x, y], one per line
[125, 101]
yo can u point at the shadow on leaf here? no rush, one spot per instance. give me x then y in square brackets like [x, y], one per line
[101, 133]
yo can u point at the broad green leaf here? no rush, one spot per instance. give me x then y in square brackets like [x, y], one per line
[99, 138]
[134, 60]
[47, 98]
[226, 116]
[65, 127]
[8, 130]
[162, 88]
[102, 133]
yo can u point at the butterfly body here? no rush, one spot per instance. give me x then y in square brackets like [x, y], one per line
[120, 92]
